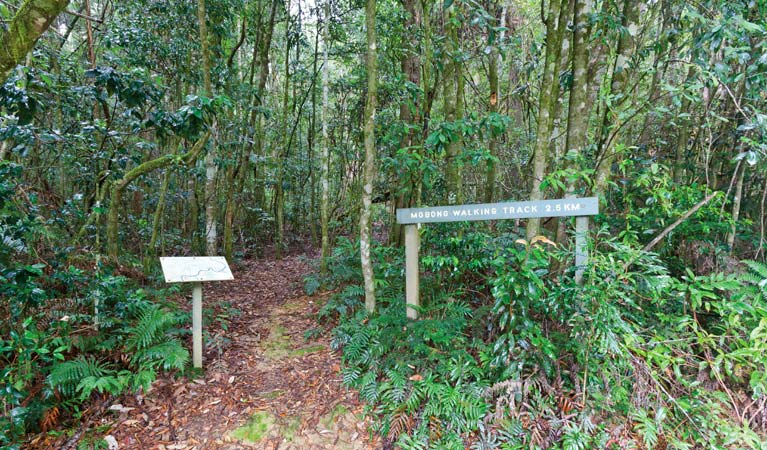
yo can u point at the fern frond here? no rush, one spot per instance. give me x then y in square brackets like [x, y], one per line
[153, 323]
[169, 355]
[67, 376]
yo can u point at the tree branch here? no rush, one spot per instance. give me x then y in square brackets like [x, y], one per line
[684, 217]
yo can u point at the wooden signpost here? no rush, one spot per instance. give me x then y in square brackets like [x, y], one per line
[196, 269]
[581, 208]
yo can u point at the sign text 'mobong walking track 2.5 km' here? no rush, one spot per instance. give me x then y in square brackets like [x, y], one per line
[587, 206]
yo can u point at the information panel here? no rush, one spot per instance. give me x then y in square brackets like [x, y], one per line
[195, 268]
[587, 206]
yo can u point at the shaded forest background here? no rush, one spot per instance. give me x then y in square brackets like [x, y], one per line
[252, 127]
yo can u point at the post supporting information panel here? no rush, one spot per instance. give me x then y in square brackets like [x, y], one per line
[196, 269]
[411, 218]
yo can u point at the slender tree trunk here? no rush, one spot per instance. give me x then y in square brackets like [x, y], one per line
[258, 99]
[454, 107]
[279, 194]
[683, 132]
[406, 188]
[158, 213]
[546, 104]
[619, 94]
[493, 62]
[325, 154]
[211, 169]
[736, 202]
[311, 143]
[578, 117]
[370, 155]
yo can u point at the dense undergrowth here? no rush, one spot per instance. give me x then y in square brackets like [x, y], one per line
[71, 328]
[509, 353]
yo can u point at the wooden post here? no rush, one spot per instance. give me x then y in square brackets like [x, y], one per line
[581, 247]
[412, 245]
[197, 325]
[411, 218]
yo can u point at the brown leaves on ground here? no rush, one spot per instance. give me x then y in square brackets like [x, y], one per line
[256, 360]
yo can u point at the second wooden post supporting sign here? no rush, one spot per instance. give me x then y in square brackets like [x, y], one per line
[196, 269]
[581, 208]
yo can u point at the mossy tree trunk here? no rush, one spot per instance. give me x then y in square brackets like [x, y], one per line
[30, 21]
[578, 110]
[119, 186]
[613, 120]
[547, 102]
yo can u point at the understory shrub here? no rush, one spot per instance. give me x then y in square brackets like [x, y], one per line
[66, 332]
[510, 353]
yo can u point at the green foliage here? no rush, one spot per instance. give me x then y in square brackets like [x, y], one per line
[45, 365]
[511, 354]
[82, 376]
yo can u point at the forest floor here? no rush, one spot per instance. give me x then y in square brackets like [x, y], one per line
[265, 384]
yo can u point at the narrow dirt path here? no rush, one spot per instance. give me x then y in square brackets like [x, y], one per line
[265, 385]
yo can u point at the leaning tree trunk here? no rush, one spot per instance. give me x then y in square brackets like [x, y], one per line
[370, 155]
[119, 186]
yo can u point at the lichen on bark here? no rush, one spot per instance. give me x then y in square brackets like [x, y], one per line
[30, 21]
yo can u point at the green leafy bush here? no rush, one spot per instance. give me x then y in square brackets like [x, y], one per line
[511, 353]
[68, 334]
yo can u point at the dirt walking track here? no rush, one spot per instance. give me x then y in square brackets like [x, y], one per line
[265, 386]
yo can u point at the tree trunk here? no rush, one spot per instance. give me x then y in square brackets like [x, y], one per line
[736, 202]
[547, 102]
[578, 117]
[370, 155]
[406, 187]
[311, 144]
[158, 213]
[454, 108]
[119, 186]
[492, 78]
[683, 131]
[279, 194]
[324, 153]
[612, 122]
[211, 169]
[31, 20]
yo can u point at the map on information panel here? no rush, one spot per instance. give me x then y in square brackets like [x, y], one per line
[195, 268]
